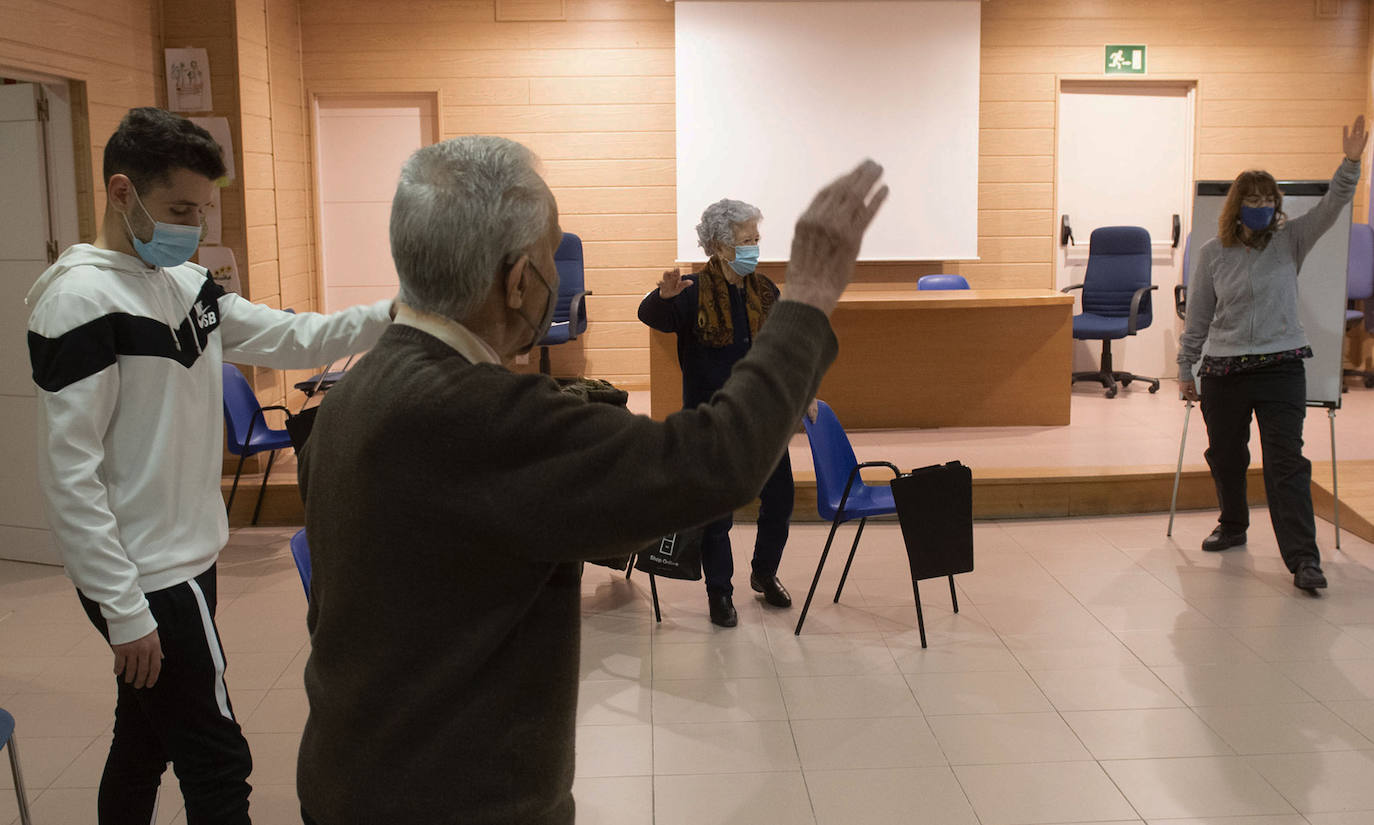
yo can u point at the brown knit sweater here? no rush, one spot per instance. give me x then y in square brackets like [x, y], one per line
[446, 506]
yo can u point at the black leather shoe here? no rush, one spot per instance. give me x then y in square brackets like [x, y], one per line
[773, 591]
[722, 610]
[1309, 577]
[1222, 539]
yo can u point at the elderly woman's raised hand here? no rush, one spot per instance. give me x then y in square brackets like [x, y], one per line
[671, 284]
[1354, 138]
[826, 242]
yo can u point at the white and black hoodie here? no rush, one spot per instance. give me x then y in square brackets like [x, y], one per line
[127, 359]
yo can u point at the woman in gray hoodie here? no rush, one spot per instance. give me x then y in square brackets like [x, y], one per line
[1243, 298]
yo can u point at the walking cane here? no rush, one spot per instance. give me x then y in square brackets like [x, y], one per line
[1173, 504]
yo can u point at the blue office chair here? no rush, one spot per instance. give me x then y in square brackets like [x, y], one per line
[570, 315]
[841, 495]
[247, 431]
[942, 282]
[7, 741]
[1359, 285]
[300, 553]
[1116, 298]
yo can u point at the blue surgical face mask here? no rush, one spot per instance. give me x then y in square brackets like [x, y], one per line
[1257, 218]
[746, 259]
[172, 244]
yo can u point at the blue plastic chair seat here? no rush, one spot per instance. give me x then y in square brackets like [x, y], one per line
[6, 727]
[1091, 326]
[864, 500]
[559, 333]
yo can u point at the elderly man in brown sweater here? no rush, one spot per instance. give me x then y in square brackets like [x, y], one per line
[449, 500]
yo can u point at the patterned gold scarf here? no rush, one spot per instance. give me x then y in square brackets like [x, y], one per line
[715, 326]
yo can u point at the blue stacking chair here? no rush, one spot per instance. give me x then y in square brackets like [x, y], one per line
[1116, 298]
[841, 494]
[1359, 285]
[942, 282]
[7, 741]
[300, 553]
[247, 431]
[570, 315]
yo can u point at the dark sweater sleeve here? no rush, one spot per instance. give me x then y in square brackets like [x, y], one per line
[675, 314]
[602, 481]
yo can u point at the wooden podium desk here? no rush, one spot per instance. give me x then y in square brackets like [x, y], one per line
[934, 358]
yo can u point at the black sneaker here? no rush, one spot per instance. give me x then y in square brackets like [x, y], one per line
[1309, 577]
[1222, 539]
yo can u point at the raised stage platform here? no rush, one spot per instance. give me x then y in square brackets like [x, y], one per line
[1116, 456]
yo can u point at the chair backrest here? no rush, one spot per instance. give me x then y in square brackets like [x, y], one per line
[1118, 265]
[300, 552]
[240, 408]
[1359, 272]
[6, 727]
[833, 457]
[942, 282]
[571, 279]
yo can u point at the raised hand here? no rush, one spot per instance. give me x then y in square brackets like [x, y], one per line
[1354, 138]
[826, 242]
[671, 285]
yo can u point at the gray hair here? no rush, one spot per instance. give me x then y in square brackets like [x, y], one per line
[719, 220]
[462, 209]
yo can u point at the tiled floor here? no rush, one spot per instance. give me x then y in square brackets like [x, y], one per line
[1096, 672]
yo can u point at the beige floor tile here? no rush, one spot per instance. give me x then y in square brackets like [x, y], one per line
[1262, 611]
[279, 711]
[717, 700]
[1302, 643]
[1059, 792]
[942, 694]
[614, 702]
[1275, 819]
[953, 656]
[887, 796]
[62, 805]
[1152, 614]
[615, 750]
[1145, 734]
[274, 803]
[824, 617]
[1342, 818]
[1005, 738]
[732, 799]
[1096, 648]
[831, 655]
[1040, 617]
[42, 759]
[274, 757]
[84, 771]
[1114, 688]
[1117, 587]
[46, 639]
[1300, 728]
[1187, 646]
[725, 747]
[76, 674]
[257, 671]
[1258, 684]
[614, 800]
[837, 697]
[1331, 781]
[16, 672]
[1338, 680]
[1358, 714]
[1193, 787]
[294, 674]
[62, 714]
[842, 744]
[713, 661]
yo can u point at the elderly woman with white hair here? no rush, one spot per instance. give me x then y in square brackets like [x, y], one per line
[716, 313]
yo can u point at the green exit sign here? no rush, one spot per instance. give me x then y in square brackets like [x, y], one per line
[1125, 60]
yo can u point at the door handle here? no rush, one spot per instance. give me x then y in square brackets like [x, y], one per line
[1178, 230]
[1065, 231]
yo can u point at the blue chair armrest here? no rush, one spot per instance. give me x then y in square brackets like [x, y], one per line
[1071, 288]
[1135, 306]
[575, 313]
[854, 474]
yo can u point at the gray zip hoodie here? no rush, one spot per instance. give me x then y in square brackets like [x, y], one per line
[1245, 301]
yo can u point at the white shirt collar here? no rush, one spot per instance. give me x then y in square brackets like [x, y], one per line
[463, 340]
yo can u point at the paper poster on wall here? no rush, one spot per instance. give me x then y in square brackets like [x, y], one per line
[223, 269]
[218, 127]
[188, 80]
[214, 223]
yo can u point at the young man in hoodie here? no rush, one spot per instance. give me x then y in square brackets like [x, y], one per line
[127, 340]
